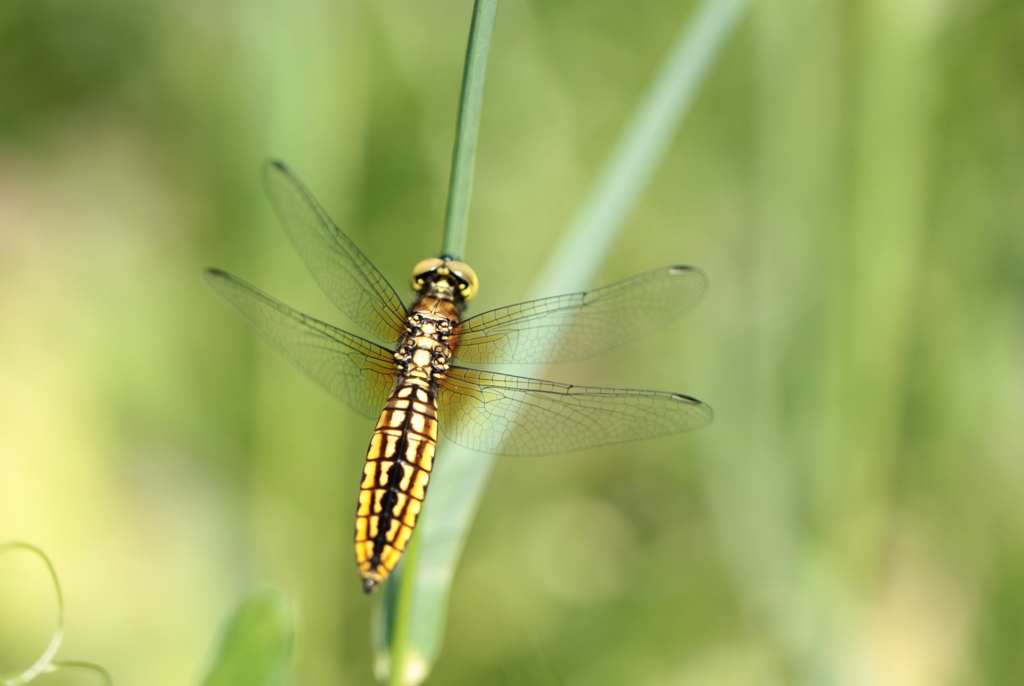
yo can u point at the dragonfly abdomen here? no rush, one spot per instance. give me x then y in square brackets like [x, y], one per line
[395, 478]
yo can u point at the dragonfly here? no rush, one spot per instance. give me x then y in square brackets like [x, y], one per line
[416, 382]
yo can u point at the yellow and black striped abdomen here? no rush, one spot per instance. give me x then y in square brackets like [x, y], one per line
[395, 479]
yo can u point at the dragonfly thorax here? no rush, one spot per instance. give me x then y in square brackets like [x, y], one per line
[425, 350]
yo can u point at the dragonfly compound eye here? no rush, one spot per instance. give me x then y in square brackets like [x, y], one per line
[421, 270]
[467, 278]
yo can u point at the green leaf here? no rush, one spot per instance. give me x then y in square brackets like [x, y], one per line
[257, 645]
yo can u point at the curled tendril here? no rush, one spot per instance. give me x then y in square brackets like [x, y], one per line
[68, 665]
[45, 664]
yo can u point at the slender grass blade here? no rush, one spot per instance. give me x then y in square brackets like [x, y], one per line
[461, 475]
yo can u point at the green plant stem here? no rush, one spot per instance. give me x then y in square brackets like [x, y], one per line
[398, 669]
[468, 128]
[401, 669]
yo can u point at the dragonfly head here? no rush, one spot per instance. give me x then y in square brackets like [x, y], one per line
[445, 276]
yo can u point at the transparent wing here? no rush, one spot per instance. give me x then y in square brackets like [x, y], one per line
[344, 273]
[355, 371]
[578, 325]
[513, 415]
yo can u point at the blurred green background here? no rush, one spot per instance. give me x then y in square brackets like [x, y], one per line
[851, 178]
